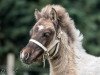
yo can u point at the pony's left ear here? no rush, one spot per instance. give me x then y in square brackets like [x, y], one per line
[37, 14]
[53, 14]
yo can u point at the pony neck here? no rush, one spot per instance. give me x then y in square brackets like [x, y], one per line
[64, 61]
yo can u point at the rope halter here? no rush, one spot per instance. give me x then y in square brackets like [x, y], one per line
[52, 49]
[49, 49]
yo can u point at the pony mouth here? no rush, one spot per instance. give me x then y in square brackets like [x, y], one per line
[36, 56]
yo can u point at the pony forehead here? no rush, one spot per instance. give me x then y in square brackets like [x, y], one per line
[40, 27]
[45, 26]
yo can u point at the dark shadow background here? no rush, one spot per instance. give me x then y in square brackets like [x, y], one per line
[17, 18]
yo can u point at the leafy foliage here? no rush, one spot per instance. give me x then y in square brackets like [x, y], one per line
[17, 18]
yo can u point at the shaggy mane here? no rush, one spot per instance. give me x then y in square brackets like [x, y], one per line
[65, 22]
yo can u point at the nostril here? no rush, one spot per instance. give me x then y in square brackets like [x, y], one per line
[24, 55]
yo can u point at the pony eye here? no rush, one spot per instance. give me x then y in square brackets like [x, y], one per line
[47, 34]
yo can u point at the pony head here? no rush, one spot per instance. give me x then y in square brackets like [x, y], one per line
[43, 34]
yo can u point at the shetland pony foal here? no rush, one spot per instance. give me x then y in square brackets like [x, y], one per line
[55, 38]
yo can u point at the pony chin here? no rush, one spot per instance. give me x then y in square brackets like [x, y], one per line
[36, 57]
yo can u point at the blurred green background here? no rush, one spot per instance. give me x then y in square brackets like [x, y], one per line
[17, 18]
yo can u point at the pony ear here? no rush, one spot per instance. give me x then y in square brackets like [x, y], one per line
[53, 14]
[37, 14]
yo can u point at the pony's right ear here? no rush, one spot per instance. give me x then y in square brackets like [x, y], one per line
[53, 14]
[37, 14]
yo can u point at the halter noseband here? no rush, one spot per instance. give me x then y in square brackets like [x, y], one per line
[39, 44]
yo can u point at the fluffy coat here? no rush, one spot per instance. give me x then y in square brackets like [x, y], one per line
[71, 58]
